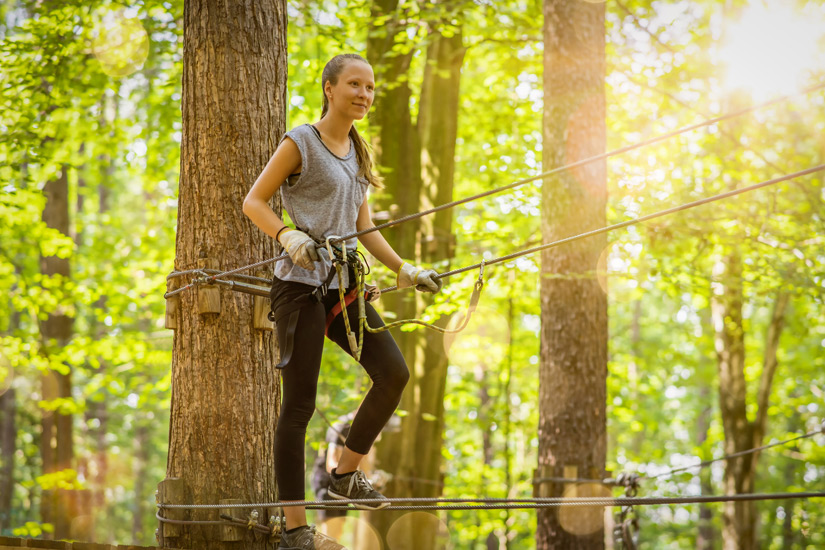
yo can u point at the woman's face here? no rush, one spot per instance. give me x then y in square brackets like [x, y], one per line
[353, 94]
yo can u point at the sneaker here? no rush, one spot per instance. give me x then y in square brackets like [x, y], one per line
[307, 538]
[356, 486]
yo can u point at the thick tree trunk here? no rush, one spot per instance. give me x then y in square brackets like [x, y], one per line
[418, 164]
[573, 362]
[225, 390]
[740, 519]
[56, 444]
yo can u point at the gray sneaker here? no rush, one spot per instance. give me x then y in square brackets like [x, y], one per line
[307, 538]
[356, 486]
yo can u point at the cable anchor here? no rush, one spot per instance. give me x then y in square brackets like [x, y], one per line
[276, 526]
[626, 530]
[252, 521]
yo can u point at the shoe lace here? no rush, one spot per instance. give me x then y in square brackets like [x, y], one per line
[362, 483]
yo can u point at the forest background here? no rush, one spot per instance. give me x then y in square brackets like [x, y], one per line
[91, 94]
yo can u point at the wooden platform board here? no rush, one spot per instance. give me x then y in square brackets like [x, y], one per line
[9, 543]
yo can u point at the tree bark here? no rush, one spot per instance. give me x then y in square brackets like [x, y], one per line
[573, 358]
[225, 390]
[56, 442]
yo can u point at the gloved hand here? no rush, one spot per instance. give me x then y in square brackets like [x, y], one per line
[424, 279]
[300, 247]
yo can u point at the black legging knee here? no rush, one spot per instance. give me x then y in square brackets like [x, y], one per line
[380, 357]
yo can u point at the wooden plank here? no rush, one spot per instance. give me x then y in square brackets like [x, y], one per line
[11, 542]
[91, 546]
[172, 304]
[209, 296]
[261, 308]
[571, 489]
[50, 544]
[231, 533]
[172, 491]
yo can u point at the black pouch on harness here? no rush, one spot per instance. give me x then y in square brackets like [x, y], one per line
[286, 303]
[286, 337]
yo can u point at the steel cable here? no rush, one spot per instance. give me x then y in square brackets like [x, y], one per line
[543, 175]
[505, 504]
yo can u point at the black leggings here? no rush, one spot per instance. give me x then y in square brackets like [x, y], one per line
[380, 357]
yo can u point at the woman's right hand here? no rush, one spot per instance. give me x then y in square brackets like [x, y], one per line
[302, 249]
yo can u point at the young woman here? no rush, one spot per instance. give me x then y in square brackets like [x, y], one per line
[323, 171]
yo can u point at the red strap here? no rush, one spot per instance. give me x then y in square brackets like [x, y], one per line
[349, 298]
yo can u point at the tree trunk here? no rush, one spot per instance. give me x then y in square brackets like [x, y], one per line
[225, 390]
[706, 535]
[437, 126]
[573, 361]
[740, 519]
[789, 534]
[8, 435]
[8, 440]
[56, 443]
[141, 464]
[418, 165]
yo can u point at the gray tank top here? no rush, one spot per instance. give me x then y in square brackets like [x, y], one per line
[322, 200]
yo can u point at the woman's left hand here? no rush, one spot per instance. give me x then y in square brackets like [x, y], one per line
[424, 280]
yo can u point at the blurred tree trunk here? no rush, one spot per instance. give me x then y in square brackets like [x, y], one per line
[417, 161]
[395, 147]
[573, 358]
[8, 434]
[56, 442]
[706, 536]
[8, 440]
[225, 390]
[740, 519]
[141, 462]
[437, 127]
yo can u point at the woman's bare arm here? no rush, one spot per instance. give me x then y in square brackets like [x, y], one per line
[285, 161]
[375, 242]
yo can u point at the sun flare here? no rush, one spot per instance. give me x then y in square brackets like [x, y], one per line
[772, 47]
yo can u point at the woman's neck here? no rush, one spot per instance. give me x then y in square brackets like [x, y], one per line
[337, 128]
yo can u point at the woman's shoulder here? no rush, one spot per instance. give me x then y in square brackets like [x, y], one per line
[300, 131]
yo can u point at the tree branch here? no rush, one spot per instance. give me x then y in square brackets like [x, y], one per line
[638, 23]
[769, 365]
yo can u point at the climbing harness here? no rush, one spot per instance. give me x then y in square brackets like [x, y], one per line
[353, 262]
[341, 260]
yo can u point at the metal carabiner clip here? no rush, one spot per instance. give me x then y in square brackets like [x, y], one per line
[330, 250]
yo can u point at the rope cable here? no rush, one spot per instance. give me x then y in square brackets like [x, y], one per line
[707, 463]
[627, 223]
[541, 176]
[506, 503]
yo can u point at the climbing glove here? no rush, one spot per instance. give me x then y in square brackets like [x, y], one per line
[425, 280]
[300, 247]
